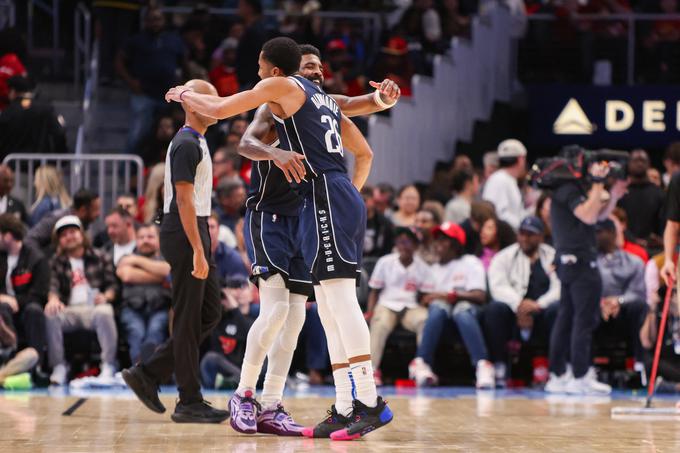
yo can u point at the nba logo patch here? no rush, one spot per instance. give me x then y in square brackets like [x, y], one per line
[257, 270]
[274, 217]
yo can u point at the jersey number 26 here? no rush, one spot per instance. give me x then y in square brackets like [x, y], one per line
[330, 134]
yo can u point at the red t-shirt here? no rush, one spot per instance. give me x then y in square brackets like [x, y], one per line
[10, 66]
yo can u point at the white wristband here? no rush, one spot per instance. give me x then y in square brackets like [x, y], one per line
[382, 104]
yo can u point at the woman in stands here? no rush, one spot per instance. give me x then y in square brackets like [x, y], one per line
[51, 194]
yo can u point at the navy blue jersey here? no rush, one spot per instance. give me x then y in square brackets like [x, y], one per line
[314, 131]
[270, 191]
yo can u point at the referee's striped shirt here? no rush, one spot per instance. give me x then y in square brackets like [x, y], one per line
[188, 159]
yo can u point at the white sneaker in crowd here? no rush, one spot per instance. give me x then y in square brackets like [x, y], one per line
[500, 371]
[588, 385]
[107, 371]
[59, 374]
[558, 384]
[421, 372]
[486, 375]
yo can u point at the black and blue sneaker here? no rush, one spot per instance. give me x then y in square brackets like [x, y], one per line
[333, 422]
[365, 420]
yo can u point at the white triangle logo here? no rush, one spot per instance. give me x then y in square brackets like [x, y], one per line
[573, 121]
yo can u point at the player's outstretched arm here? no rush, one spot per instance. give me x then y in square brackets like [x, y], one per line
[355, 142]
[254, 146]
[268, 90]
[385, 96]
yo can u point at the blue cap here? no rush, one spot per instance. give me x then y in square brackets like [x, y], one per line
[532, 224]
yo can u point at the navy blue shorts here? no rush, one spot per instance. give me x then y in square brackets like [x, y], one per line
[332, 227]
[273, 248]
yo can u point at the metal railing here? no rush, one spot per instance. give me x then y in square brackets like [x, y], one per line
[371, 22]
[631, 21]
[109, 175]
[8, 14]
[82, 44]
[51, 8]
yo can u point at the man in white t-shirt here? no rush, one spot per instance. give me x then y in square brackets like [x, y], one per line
[502, 189]
[455, 289]
[393, 299]
[82, 289]
[120, 226]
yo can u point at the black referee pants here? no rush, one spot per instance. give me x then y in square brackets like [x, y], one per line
[197, 308]
[577, 317]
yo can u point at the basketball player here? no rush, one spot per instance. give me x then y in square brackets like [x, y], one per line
[185, 244]
[271, 181]
[310, 121]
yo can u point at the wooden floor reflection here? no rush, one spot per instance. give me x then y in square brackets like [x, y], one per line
[482, 423]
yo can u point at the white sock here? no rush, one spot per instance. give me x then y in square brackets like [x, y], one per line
[343, 391]
[362, 373]
[273, 313]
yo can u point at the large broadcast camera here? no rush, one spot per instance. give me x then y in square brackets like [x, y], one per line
[572, 164]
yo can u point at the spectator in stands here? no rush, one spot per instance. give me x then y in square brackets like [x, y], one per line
[227, 259]
[394, 64]
[29, 125]
[228, 340]
[231, 197]
[465, 185]
[82, 289]
[494, 236]
[422, 22]
[24, 282]
[408, 201]
[226, 165]
[395, 283]
[525, 293]
[671, 162]
[50, 193]
[250, 43]
[9, 204]
[543, 212]
[193, 34]
[10, 62]
[654, 176]
[128, 202]
[662, 44]
[480, 212]
[116, 21]
[383, 196]
[149, 64]
[426, 221]
[454, 23]
[340, 75]
[153, 195]
[644, 203]
[502, 188]
[158, 140]
[223, 75]
[623, 306]
[145, 293]
[86, 206]
[490, 162]
[120, 228]
[11, 364]
[623, 236]
[378, 239]
[455, 288]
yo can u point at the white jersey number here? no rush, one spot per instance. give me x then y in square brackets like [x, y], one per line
[332, 132]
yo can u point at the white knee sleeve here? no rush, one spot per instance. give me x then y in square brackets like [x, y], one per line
[336, 350]
[353, 331]
[281, 353]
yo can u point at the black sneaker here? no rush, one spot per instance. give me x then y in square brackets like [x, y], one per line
[365, 420]
[198, 412]
[144, 387]
[334, 422]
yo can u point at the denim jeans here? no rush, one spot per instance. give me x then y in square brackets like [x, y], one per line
[466, 317]
[213, 363]
[143, 111]
[143, 328]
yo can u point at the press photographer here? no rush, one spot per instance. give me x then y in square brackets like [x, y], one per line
[580, 199]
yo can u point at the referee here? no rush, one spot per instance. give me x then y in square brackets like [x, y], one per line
[185, 244]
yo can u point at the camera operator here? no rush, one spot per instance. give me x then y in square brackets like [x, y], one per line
[672, 230]
[574, 212]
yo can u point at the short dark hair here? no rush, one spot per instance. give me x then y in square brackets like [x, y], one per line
[436, 217]
[9, 223]
[149, 225]
[308, 49]
[284, 53]
[460, 178]
[673, 153]
[367, 191]
[83, 198]
[227, 186]
[123, 213]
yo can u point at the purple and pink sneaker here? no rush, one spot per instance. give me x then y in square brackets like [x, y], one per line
[244, 412]
[279, 422]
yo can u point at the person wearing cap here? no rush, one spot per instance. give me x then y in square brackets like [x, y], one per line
[82, 289]
[454, 289]
[223, 75]
[623, 305]
[525, 292]
[575, 209]
[502, 187]
[393, 300]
